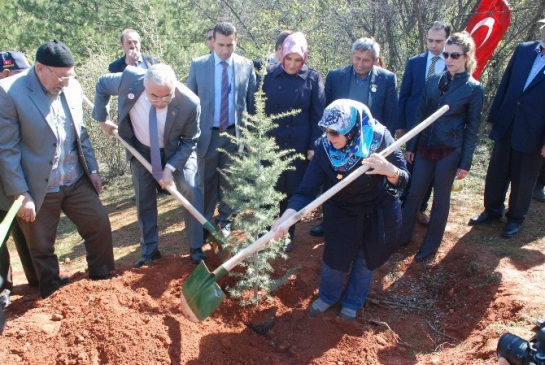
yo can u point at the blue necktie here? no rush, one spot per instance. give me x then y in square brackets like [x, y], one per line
[156, 169]
[224, 105]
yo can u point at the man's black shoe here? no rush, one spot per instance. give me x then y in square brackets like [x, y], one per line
[510, 230]
[482, 218]
[539, 195]
[103, 277]
[146, 259]
[197, 255]
[317, 231]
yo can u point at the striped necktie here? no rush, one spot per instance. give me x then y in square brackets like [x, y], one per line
[224, 105]
[431, 70]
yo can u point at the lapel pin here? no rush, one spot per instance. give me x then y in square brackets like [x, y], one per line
[130, 96]
[173, 113]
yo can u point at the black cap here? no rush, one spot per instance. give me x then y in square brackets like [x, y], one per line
[55, 54]
[12, 61]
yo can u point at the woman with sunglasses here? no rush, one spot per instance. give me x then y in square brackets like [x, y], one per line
[444, 150]
[362, 221]
[290, 85]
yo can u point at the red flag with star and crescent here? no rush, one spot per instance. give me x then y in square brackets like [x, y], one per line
[487, 27]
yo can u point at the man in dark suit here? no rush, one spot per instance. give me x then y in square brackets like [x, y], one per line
[225, 83]
[13, 63]
[47, 157]
[417, 70]
[177, 111]
[130, 44]
[366, 82]
[517, 118]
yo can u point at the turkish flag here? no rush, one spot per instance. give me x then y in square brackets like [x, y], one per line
[487, 27]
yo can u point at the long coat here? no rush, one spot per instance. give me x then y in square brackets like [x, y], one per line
[366, 212]
[305, 91]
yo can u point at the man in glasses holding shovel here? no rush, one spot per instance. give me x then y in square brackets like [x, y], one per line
[159, 117]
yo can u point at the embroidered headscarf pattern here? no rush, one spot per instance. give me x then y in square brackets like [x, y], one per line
[363, 133]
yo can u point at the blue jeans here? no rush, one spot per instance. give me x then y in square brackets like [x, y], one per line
[359, 283]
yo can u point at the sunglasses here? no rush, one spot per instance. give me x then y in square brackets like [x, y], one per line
[453, 55]
[331, 132]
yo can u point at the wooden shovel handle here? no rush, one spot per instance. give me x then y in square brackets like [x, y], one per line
[254, 247]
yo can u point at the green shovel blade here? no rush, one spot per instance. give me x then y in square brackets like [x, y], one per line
[201, 295]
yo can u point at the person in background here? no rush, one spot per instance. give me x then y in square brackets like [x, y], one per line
[363, 220]
[444, 151]
[289, 85]
[130, 44]
[13, 63]
[364, 81]
[225, 83]
[418, 70]
[517, 118]
[209, 39]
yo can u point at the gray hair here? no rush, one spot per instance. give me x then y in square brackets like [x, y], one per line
[160, 74]
[366, 44]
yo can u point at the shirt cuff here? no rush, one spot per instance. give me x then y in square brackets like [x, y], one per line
[172, 168]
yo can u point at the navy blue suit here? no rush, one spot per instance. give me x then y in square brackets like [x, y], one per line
[382, 92]
[517, 117]
[412, 84]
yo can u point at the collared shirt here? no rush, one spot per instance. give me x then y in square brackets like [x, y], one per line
[139, 114]
[539, 64]
[359, 87]
[141, 63]
[66, 167]
[218, 70]
[439, 65]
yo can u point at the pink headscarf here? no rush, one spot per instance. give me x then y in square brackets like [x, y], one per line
[295, 43]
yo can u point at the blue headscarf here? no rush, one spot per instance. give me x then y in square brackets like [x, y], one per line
[363, 133]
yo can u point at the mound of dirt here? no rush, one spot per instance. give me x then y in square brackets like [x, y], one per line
[439, 312]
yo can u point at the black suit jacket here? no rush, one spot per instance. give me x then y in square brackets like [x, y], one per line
[382, 92]
[119, 65]
[518, 110]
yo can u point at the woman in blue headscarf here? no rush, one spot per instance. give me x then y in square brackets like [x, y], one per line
[361, 221]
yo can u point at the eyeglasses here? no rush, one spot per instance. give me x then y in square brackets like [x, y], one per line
[331, 132]
[64, 78]
[453, 55]
[164, 99]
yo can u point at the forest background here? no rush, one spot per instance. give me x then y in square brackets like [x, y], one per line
[174, 32]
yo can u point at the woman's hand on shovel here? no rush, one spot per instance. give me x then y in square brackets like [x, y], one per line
[278, 228]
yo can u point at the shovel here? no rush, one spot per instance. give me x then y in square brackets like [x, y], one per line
[201, 294]
[6, 223]
[216, 240]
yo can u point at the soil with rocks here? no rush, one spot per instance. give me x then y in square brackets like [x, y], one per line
[450, 309]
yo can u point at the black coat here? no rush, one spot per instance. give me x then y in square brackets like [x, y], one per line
[119, 65]
[366, 212]
[285, 92]
[459, 126]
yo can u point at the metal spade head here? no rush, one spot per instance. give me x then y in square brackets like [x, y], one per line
[201, 295]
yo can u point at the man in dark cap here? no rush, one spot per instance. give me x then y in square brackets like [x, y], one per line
[12, 64]
[48, 158]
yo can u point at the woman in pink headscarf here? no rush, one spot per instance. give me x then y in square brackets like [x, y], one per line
[289, 85]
